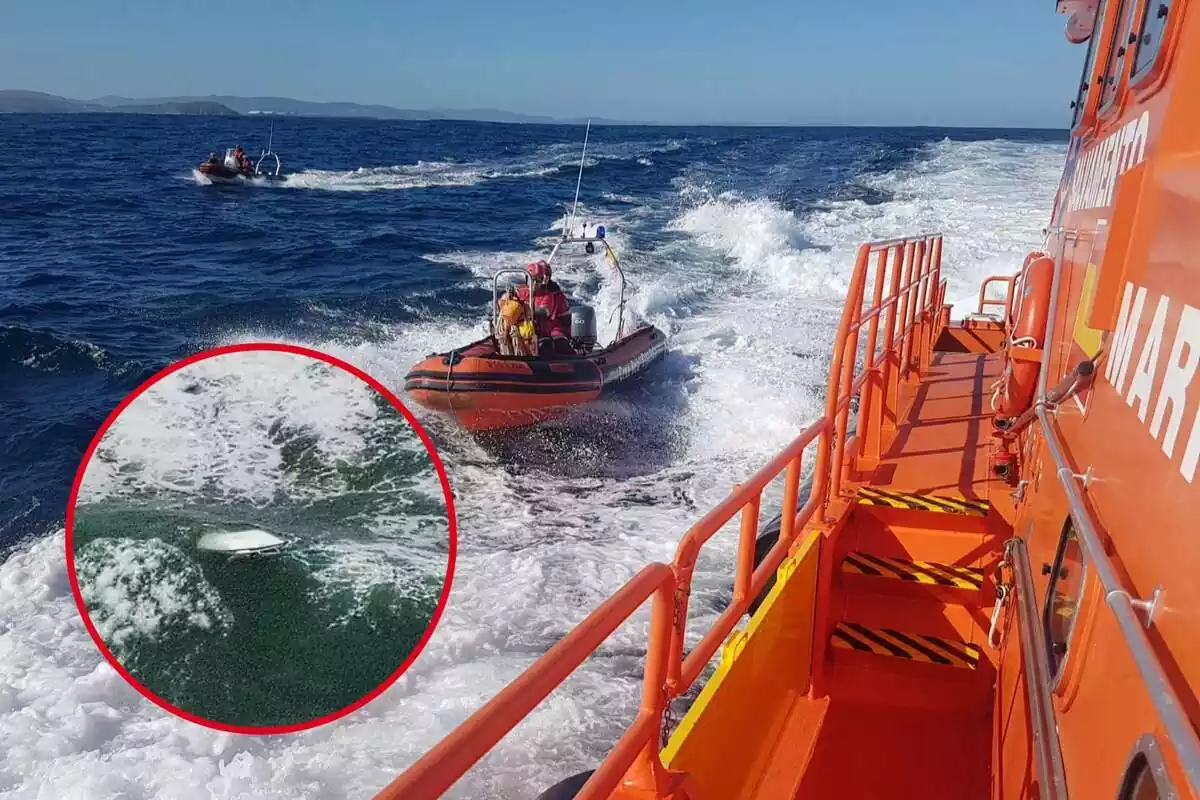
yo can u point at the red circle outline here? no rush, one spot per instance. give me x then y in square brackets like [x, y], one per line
[332, 361]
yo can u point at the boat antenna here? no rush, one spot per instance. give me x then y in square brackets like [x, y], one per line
[579, 181]
[271, 138]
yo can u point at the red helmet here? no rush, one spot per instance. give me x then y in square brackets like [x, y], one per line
[538, 270]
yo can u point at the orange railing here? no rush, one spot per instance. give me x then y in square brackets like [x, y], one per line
[907, 317]
[1005, 302]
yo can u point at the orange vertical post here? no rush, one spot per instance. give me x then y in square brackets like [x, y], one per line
[900, 282]
[791, 495]
[932, 303]
[892, 361]
[920, 315]
[850, 357]
[745, 560]
[870, 412]
[1008, 300]
[683, 588]
[910, 317]
[928, 292]
[829, 449]
[646, 776]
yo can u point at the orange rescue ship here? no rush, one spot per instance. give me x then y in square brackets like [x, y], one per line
[988, 591]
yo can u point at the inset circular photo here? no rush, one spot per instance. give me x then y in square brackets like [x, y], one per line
[261, 538]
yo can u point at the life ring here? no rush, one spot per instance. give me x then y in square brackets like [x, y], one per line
[1013, 392]
[1014, 308]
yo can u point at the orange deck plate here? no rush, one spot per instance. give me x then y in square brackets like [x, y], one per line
[948, 417]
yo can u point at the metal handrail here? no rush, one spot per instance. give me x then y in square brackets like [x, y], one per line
[437, 771]
[610, 254]
[634, 761]
[1072, 383]
[495, 314]
[1180, 732]
[262, 158]
[1052, 781]
[1005, 301]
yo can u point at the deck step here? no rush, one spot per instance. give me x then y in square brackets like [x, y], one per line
[927, 572]
[870, 496]
[890, 642]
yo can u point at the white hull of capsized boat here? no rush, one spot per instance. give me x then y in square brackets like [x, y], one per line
[249, 542]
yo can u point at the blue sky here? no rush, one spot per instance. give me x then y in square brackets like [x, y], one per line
[870, 62]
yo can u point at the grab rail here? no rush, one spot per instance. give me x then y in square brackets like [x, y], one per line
[262, 158]
[1052, 781]
[1072, 383]
[1180, 732]
[495, 320]
[634, 762]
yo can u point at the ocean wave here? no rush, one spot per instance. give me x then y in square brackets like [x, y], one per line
[139, 588]
[250, 426]
[24, 349]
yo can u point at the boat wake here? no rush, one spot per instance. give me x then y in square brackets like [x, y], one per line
[544, 161]
[421, 175]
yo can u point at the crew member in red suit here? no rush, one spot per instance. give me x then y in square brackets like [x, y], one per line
[552, 313]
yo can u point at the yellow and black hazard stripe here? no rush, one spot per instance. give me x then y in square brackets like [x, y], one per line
[914, 647]
[928, 572]
[871, 496]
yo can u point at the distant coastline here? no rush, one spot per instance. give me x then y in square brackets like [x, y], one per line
[15, 101]
[29, 102]
[19, 101]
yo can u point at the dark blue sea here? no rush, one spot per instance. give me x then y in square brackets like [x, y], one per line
[116, 259]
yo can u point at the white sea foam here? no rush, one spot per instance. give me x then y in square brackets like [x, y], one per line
[424, 174]
[749, 291]
[137, 587]
[217, 427]
[421, 175]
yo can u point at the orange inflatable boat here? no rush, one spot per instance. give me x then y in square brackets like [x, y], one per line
[491, 383]
[486, 390]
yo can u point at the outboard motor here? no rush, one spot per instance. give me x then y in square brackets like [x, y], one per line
[583, 328]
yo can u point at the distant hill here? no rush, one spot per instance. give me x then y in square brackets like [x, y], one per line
[15, 101]
[22, 102]
[287, 106]
[19, 101]
[195, 108]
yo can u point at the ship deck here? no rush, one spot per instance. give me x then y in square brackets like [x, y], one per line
[941, 444]
[922, 725]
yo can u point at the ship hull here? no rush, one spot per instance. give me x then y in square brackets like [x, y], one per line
[220, 174]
